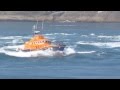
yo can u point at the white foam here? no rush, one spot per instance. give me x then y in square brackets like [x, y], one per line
[15, 37]
[84, 36]
[7, 50]
[65, 34]
[102, 36]
[60, 34]
[92, 34]
[46, 53]
[101, 44]
[85, 52]
[2, 50]
[49, 34]
[28, 54]
[10, 37]
[12, 47]
[69, 51]
[15, 41]
[112, 38]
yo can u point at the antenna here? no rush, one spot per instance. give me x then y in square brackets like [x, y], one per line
[35, 27]
[36, 24]
[42, 25]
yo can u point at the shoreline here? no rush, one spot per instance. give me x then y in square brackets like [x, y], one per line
[12, 20]
[61, 16]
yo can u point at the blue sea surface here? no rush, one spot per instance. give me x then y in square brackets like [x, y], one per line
[93, 51]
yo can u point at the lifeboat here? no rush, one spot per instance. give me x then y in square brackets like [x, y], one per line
[39, 42]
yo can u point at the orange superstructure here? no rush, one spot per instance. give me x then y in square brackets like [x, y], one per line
[38, 42]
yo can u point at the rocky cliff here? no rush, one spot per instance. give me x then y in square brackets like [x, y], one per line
[86, 16]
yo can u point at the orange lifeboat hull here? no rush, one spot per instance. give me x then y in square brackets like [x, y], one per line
[39, 42]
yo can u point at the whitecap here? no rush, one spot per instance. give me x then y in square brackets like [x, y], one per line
[92, 34]
[86, 52]
[11, 51]
[101, 44]
[112, 38]
[69, 51]
[84, 36]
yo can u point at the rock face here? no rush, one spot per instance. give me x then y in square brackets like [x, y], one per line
[85, 16]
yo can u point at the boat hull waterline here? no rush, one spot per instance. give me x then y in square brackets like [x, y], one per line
[53, 49]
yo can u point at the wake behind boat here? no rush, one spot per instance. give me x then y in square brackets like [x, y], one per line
[39, 42]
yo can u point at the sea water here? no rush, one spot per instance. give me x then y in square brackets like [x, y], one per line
[92, 51]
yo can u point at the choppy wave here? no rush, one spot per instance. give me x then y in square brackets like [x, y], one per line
[15, 37]
[46, 53]
[10, 37]
[112, 38]
[102, 37]
[83, 52]
[101, 44]
[92, 34]
[108, 37]
[12, 42]
[84, 35]
[60, 34]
